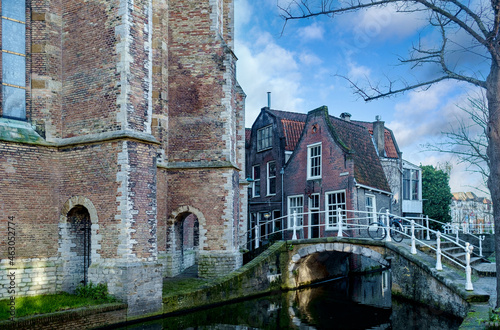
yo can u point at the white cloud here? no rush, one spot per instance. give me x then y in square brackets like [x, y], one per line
[242, 14]
[311, 32]
[308, 58]
[267, 67]
[358, 71]
[386, 22]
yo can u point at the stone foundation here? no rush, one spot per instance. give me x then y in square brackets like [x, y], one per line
[138, 284]
[213, 264]
[30, 277]
[173, 264]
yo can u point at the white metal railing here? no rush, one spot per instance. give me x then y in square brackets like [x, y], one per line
[350, 223]
[452, 231]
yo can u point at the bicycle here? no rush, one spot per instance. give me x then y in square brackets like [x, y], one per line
[378, 230]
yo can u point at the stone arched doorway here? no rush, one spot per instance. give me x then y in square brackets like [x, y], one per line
[79, 234]
[78, 241]
[187, 239]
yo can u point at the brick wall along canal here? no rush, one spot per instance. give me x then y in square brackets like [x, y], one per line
[355, 302]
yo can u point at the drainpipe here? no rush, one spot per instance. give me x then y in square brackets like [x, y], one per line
[282, 172]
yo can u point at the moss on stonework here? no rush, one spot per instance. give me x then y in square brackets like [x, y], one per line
[19, 131]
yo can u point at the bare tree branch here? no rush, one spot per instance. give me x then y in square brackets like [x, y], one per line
[468, 139]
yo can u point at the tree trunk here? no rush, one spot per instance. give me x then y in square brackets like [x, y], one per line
[493, 151]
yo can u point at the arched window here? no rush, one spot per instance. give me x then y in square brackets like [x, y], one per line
[14, 59]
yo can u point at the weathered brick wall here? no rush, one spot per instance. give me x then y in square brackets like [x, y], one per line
[91, 171]
[103, 76]
[89, 67]
[198, 121]
[82, 318]
[28, 192]
[46, 69]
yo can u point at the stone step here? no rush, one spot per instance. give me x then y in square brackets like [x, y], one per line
[485, 269]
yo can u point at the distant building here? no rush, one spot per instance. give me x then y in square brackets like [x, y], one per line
[471, 213]
[309, 163]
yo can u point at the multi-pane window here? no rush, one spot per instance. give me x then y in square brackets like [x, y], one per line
[271, 178]
[371, 208]
[14, 59]
[314, 161]
[256, 180]
[264, 138]
[335, 203]
[295, 205]
[410, 184]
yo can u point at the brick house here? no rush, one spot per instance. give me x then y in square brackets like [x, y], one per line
[121, 145]
[308, 163]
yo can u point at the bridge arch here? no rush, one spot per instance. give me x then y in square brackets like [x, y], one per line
[314, 262]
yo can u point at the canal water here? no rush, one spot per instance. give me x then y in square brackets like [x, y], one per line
[354, 302]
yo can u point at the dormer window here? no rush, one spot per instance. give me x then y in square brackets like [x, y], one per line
[265, 138]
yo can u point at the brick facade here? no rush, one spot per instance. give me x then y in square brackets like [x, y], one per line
[350, 170]
[134, 124]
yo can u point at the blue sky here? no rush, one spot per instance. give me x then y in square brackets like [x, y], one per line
[301, 64]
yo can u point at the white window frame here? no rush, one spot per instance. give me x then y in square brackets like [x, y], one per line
[313, 210]
[372, 210]
[255, 182]
[297, 208]
[264, 141]
[410, 184]
[332, 213]
[310, 165]
[269, 177]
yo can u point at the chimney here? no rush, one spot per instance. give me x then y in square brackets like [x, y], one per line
[269, 100]
[345, 116]
[378, 136]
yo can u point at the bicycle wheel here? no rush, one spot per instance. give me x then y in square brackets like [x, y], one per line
[376, 231]
[397, 232]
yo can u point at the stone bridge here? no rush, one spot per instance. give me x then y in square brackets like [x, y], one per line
[413, 276]
[288, 265]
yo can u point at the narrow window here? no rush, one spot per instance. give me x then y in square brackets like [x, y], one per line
[314, 161]
[371, 208]
[411, 184]
[256, 180]
[295, 205]
[14, 59]
[406, 184]
[414, 185]
[335, 201]
[271, 178]
[264, 138]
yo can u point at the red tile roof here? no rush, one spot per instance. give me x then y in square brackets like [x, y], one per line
[292, 130]
[293, 124]
[368, 170]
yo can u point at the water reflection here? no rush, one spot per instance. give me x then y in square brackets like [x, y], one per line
[356, 302]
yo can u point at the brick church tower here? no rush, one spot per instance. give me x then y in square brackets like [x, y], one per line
[121, 144]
